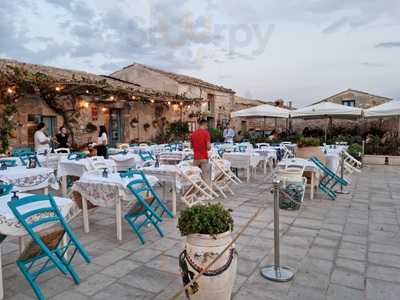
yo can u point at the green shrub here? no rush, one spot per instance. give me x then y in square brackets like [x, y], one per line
[355, 150]
[217, 135]
[205, 219]
[308, 142]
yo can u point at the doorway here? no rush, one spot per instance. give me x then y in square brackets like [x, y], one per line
[115, 127]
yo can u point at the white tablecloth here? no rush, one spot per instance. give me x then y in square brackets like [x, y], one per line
[77, 168]
[243, 160]
[9, 224]
[105, 192]
[125, 161]
[25, 180]
[309, 165]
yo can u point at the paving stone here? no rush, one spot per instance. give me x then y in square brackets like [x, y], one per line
[382, 290]
[122, 292]
[383, 273]
[322, 253]
[144, 255]
[69, 295]
[245, 267]
[305, 293]
[347, 278]
[94, 283]
[165, 263]
[314, 280]
[120, 268]
[338, 292]
[384, 259]
[110, 257]
[316, 265]
[148, 279]
[351, 265]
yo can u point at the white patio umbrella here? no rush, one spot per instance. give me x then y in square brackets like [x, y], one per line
[327, 110]
[388, 109]
[262, 111]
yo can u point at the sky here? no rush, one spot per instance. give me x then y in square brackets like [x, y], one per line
[297, 50]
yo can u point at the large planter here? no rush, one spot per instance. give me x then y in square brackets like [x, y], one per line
[201, 249]
[307, 152]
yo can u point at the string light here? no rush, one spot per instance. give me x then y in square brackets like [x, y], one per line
[133, 98]
[181, 103]
[10, 90]
[58, 88]
[104, 109]
[112, 98]
[84, 104]
[152, 100]
[87, 91]
[169, 102]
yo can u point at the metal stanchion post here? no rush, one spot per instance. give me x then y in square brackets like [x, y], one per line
[277, 272]
[342, 175]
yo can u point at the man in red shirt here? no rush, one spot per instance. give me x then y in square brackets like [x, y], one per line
[201, 144]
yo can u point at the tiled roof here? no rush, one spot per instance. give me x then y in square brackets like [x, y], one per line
[183, 79]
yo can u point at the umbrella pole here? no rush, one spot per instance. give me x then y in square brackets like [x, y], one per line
[326, 131]
[264, 128]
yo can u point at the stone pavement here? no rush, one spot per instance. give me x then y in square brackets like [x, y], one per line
[343, 249]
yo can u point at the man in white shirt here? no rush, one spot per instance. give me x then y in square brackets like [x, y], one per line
[41, 139]
[229, 134]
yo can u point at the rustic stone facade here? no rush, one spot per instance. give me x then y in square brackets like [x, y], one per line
[217, 101]
[361, 99]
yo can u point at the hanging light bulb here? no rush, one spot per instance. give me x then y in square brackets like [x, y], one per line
[10, 90]
[152, 100]
[169, 102]
[87, 91]
[104, 109]
[181, 103]
[58, 89]
[112, 98]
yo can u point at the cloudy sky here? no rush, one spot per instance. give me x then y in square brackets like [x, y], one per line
[298, 50]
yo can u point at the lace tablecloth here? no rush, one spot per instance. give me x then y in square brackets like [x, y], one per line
[172, 174]
[25, 180]
[9, 224]
[105, 192]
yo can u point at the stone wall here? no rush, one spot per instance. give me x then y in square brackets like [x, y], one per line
[362, 100]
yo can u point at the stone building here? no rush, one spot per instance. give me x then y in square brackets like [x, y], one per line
[352, 98]
[356, 99]
[82, 101]
[217, 101]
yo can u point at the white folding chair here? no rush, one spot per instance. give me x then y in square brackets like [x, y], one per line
[195, 189]
[62, 150]
[99, 163]
[287, 153]
[350, 163]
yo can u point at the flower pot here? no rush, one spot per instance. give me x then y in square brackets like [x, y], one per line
[200, 250]
[306, 152]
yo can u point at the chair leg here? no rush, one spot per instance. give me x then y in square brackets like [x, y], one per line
[130, 222]
[158, 228]
[32, 283]
[70, 269]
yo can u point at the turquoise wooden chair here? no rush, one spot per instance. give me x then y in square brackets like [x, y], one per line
[5, 188]
[76, 155]
[25, 159]
[146, 156]
[20, 151]
[8, 163]
[45, 252]
[242, 148]
[149, 208]
[329, 180]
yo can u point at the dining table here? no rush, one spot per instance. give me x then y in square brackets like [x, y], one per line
[11, 228]
[244, 160]
[76, 168]
[110, 191]
[26, 179]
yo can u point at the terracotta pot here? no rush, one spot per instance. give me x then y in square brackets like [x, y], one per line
[201, 249]
[306, 152]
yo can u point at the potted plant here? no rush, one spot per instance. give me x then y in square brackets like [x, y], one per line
[309, 146]
[208, 231]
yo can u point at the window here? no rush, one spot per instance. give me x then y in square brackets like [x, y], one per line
[351, 103]
[210, 105]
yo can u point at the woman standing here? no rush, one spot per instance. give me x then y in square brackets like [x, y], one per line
[102, 142]
[62, 138]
